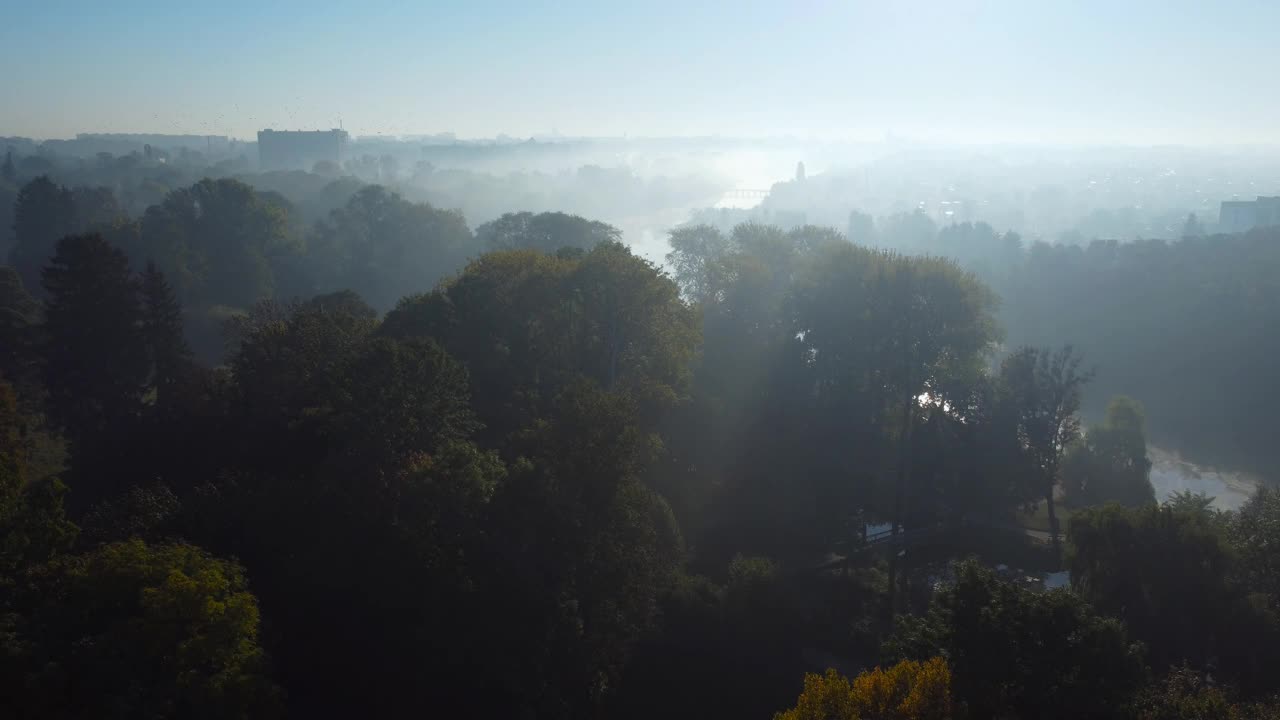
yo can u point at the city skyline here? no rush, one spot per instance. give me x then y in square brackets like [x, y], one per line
[974, 72]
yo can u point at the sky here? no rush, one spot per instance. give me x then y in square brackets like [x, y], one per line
[1026, 71]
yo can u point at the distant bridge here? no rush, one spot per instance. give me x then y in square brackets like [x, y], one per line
[746, 194]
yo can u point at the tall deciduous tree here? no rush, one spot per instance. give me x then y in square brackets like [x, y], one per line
[546, 232]
[215, 241]
[1110, 464]
[896, 333]
[1254, 531]
[909, 690]
[384, 247]
[527, 324]
[1171, 576]
[1046, 388]
[1018, 653]
[696, 258]
[131, 630]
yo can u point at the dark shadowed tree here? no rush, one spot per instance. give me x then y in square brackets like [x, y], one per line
[894, 336]
[1254, 532]
[526, 324]
[19, 313]
[95, 359]
[1046, 386]
[43, 213]
[33, 526]
[215, 242]
[1019, 653]
[131, 630]
[162, 331]
[1109, 464]
[1169, 575]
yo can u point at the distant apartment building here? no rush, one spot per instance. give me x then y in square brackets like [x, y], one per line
[1242, 215]
[299, 149]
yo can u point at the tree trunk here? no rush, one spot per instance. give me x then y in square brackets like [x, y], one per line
[899, 497]
[1053, 522]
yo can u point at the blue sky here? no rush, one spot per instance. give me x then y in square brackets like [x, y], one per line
[1138, 71]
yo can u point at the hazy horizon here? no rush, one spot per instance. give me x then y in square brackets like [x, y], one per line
[1138, 74]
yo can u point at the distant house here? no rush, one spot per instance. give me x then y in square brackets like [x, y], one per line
[299, 149]
[1242, 215]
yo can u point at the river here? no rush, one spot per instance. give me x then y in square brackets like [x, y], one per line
[1171, 474]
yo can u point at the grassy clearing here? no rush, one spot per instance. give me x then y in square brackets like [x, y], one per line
[1038, 518]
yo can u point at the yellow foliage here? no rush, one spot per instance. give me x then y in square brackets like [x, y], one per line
[907, 691]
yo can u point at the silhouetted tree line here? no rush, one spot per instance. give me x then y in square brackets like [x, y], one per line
[554, 481]
[1180, 325]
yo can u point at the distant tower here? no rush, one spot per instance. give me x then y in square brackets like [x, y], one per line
[799, 172]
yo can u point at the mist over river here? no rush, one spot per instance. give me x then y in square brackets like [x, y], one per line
[1171, 474]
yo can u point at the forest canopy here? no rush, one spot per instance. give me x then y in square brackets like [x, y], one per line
[345, 456]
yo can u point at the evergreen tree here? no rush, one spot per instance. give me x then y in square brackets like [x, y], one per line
[162, 330]
[42, 213]
[7, 171]
[95, 359]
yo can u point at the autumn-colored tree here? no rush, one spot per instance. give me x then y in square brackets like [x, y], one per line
[910, 690]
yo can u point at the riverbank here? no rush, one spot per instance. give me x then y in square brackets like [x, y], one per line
[1171, 474]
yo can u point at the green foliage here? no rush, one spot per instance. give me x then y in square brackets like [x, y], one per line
[528, 324]
[1186, 501]
[131, 630]
[497, 496]
[1254, 533]
[1018, 653]
[1109, 464]
[1045, 388]
[748, 572]
[384, 247]
[1188, 695]
[33, 526]
[577, 508]
[1183, 695]
[1168, 574]
[139, 512]
[815, 359]
[95, 357]
[545, 232]
[215, 241]
[17, 308]
[1180, 325]
[696, 258]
